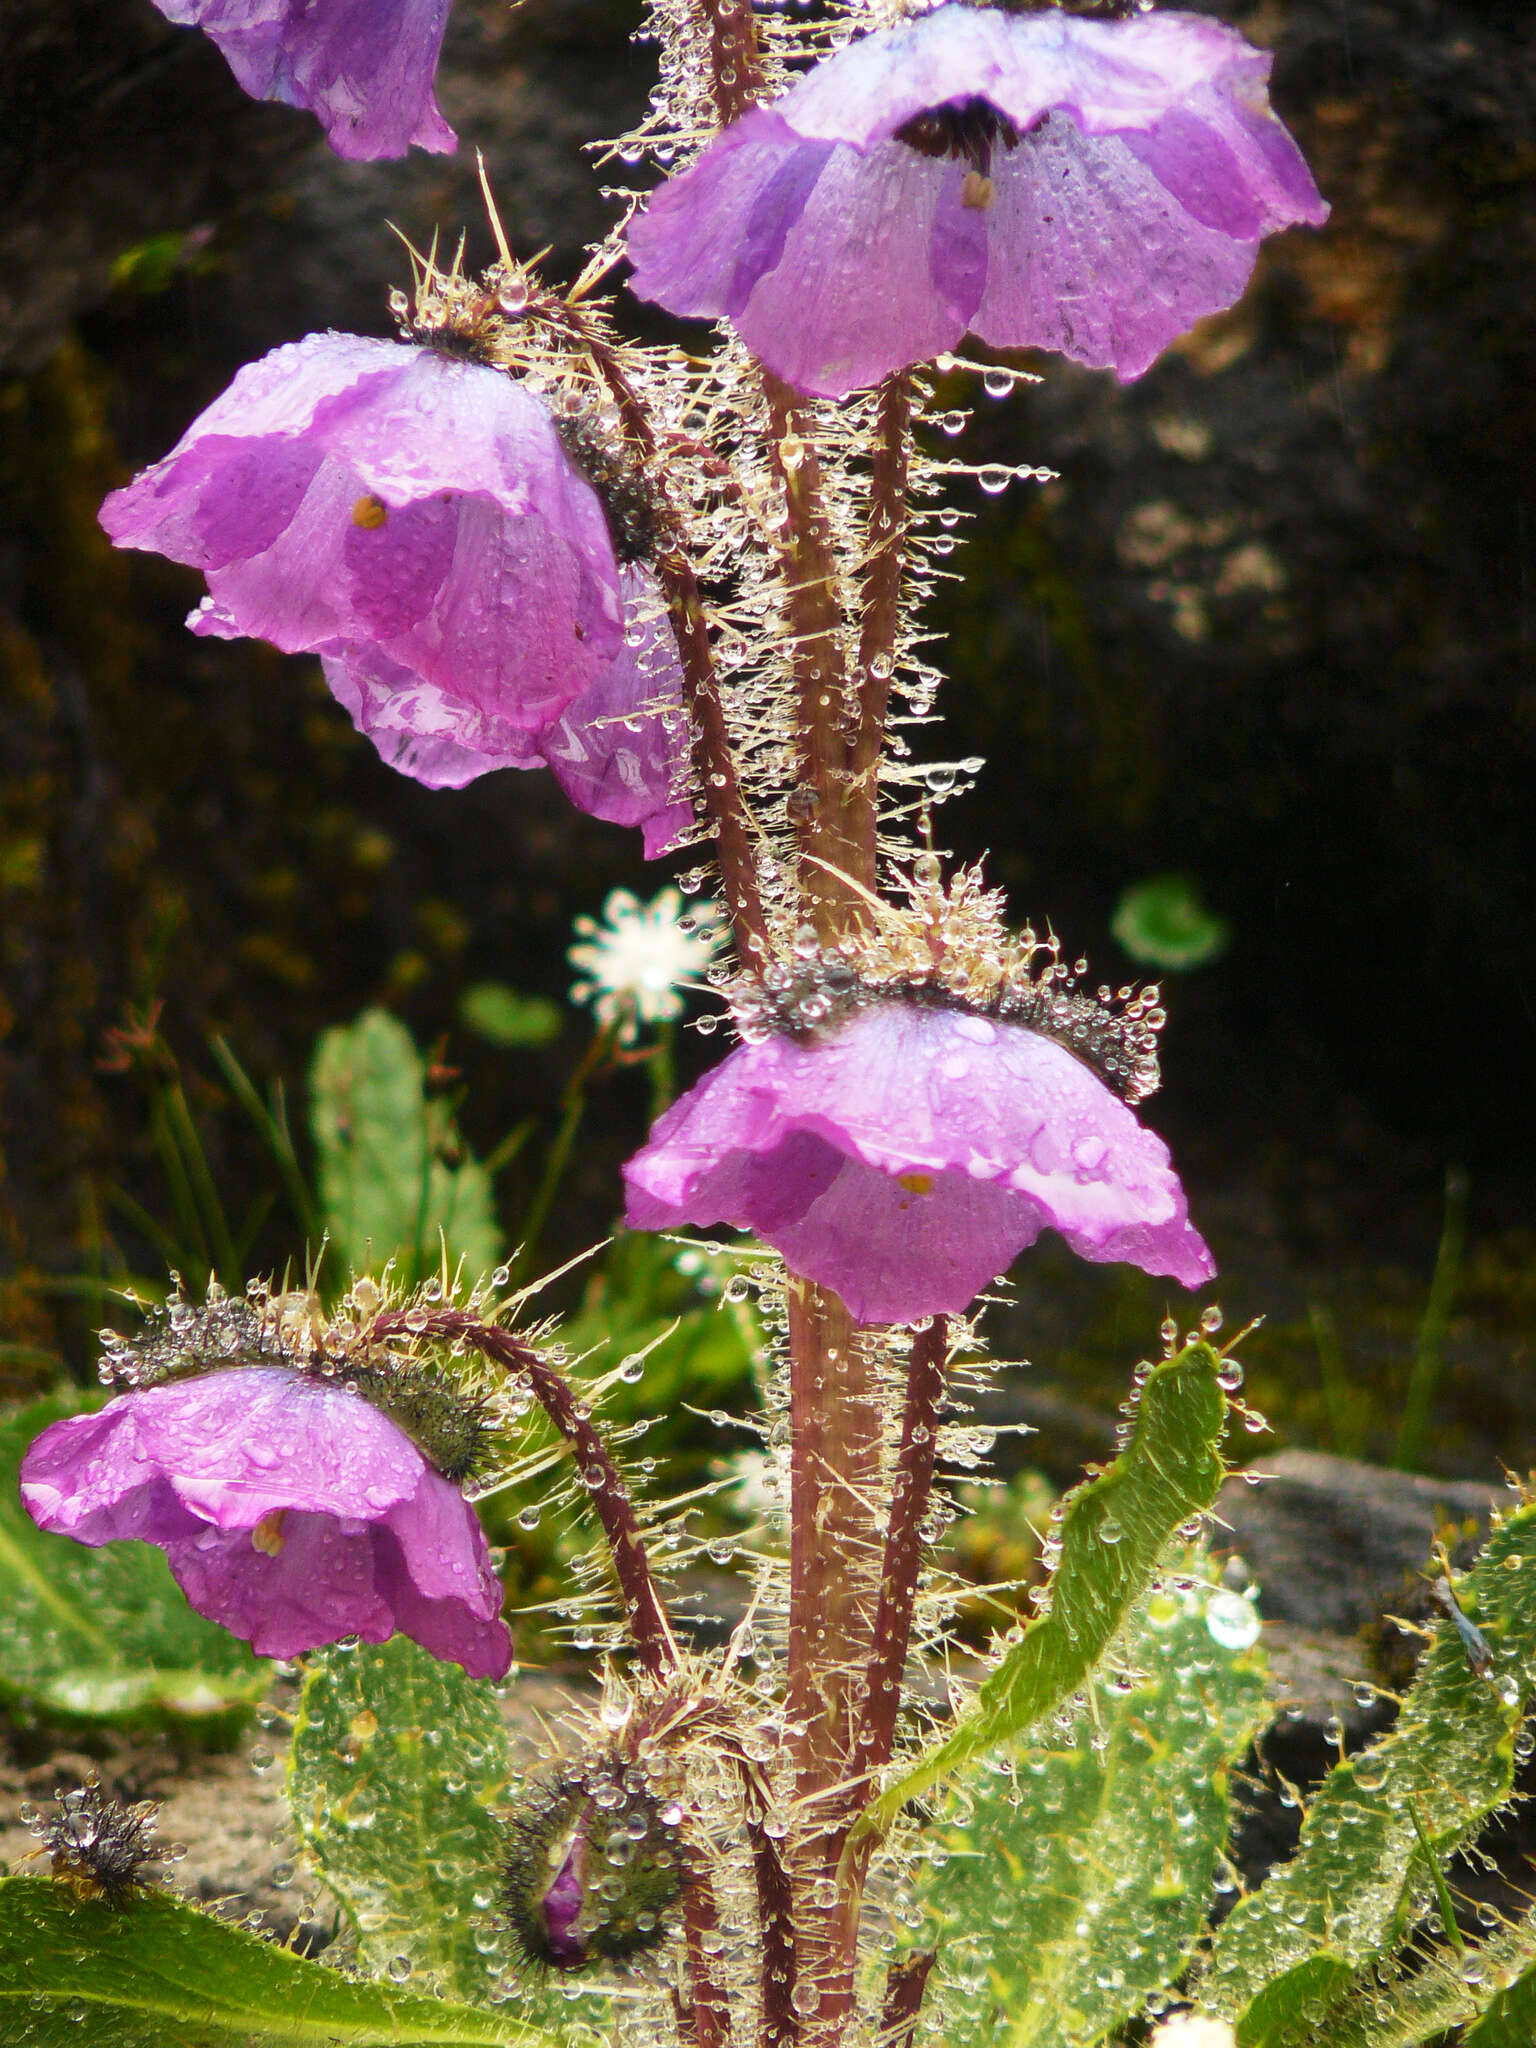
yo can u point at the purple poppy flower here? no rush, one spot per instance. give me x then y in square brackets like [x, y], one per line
[619, 750]
[1040, 180]
[906, 1155]
[291, 1512]
[381, 503]
[364, 67]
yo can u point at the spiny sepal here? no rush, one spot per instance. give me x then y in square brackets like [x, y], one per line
[593, 1866]
[98, 1847]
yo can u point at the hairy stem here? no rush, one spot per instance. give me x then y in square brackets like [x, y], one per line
[910, 1495]
[643, 1610]
[835, 1420]
[776, 1913]
[735, 69]
[879, 614]
[905, 1983]
[714, 759]
[709, 2010]
[892, 1635]
[818, 802]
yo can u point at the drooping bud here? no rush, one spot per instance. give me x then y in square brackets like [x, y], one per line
[593, 1866]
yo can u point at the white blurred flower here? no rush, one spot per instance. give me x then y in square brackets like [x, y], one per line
[1194, 2030]
[634, 963]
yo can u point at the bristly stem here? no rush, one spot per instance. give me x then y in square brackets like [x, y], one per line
[836, 1425]
[776, 1913]
[818, 802]
[910, 1495]
[710, 2009]
[900, 1569]
[885, 553]
[643, 1609]
[905, 1983]
[736, 72]
[714, 759]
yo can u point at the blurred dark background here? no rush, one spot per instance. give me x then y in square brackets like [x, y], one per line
[1272, 630]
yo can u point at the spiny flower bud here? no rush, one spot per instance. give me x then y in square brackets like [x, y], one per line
[98, 1846]
[593, 1866]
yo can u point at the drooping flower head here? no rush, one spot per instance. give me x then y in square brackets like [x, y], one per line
[1039, 180]
[386, 504]
[635, 963]
[364, 67]
[291, 1511]
[619, 750]
[415, 517]
[900, 1136]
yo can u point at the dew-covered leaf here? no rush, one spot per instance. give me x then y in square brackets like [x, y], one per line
[396, 1765]
[1075, 1874]
[395, 1178]
[1115, 1529]
[154, 1973]
[396, 1760]
[1359, 1876]
[106, 1634]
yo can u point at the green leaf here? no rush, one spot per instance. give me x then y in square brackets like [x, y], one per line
[393, 1173]
[1078, 1874]
[1114, 1531]
[154, 1973]
[1411, 2003]
[1163, 923]
[1510, 2018]
[106, 1634]
[505, 1018]
[395, 1761]
[1358, 1877]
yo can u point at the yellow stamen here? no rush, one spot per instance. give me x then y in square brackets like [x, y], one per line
[915, 1183]
[978, 191]
[267, 1536]
[370, 511]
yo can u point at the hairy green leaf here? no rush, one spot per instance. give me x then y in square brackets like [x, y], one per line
[1078, 1874]
[153, 1972]
[395, 1761]
[1359, 1876]
[393, 1173]
[1114, 1531]
[106, 1634]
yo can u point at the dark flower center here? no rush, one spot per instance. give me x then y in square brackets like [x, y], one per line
[965, 130]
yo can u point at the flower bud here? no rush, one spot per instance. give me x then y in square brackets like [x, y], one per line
[593, 1865]
[98, 1846]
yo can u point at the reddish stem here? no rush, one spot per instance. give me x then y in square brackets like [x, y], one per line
[818, 804]
[910, 1495]
[710, 2011]
[643, 1610]
[714, 760]
[736, 72]
[776, 1914]
[879, 614]
[905, 1983]
[891, 1639]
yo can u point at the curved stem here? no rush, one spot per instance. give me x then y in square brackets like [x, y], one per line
[714, 759]
[643, 1609]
